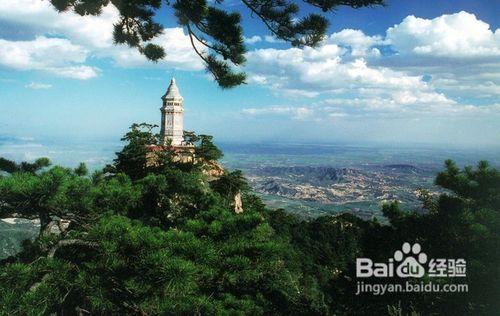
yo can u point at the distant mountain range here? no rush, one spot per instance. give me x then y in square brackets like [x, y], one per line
[355, 190]
[320, 174]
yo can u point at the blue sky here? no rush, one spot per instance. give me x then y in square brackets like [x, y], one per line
[410, 72]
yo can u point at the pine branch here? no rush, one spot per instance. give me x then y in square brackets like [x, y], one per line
[55, 248]
[71, 242]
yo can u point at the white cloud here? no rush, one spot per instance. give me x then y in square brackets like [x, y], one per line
[457, 55]
[321, 70]
[405, 106]
[353, 87]
[359, 43]
[55, 55]
[76, 72]
[450, 35]
[92, 31]
[89, 35]
[458, 52]
[297, 113]
[252, 40]
[38, 85]
[180, 54]
[273, 40]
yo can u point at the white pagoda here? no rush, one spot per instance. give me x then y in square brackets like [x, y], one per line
[172, 116]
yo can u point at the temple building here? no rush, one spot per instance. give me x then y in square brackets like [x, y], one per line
[172, 117]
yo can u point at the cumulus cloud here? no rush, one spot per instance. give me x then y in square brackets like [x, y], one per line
[93, 31]
[359, 43]
[82, 37]
[353, 88]
[312, 72]
[55, 55]
[460, 53]
[451, 35]
[322, 70]
[408, 65]
[180, 54]
[428, 67]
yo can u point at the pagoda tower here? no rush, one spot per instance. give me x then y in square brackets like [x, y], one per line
[172, 116]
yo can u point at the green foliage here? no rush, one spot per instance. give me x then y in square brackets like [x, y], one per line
[203, 145]
[159, 238]
[212, 27]
[132, 159]
[19, 297]
[230, 183]
[116, 195]
[215, 263]
[464, 223]
[55, 192]
[81, 170]
[173, 195]
[326, 246]
[140, 157]
[480, 186]
[10, 166]
[207, 149]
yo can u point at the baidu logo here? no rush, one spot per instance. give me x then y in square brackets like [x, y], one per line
[410, 262]
[411, 266]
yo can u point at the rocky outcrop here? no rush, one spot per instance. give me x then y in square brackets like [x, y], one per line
[238, 204]
[213, 170]
[57, 226]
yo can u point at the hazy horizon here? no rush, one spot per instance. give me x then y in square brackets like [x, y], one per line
[97, 153]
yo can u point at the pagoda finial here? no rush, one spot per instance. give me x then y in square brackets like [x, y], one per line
[172, 91]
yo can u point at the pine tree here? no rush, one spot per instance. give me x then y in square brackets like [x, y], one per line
[216, 34]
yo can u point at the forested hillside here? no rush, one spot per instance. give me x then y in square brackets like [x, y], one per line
[152, 234]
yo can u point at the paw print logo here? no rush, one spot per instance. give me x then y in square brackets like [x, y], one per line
[411, 266]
